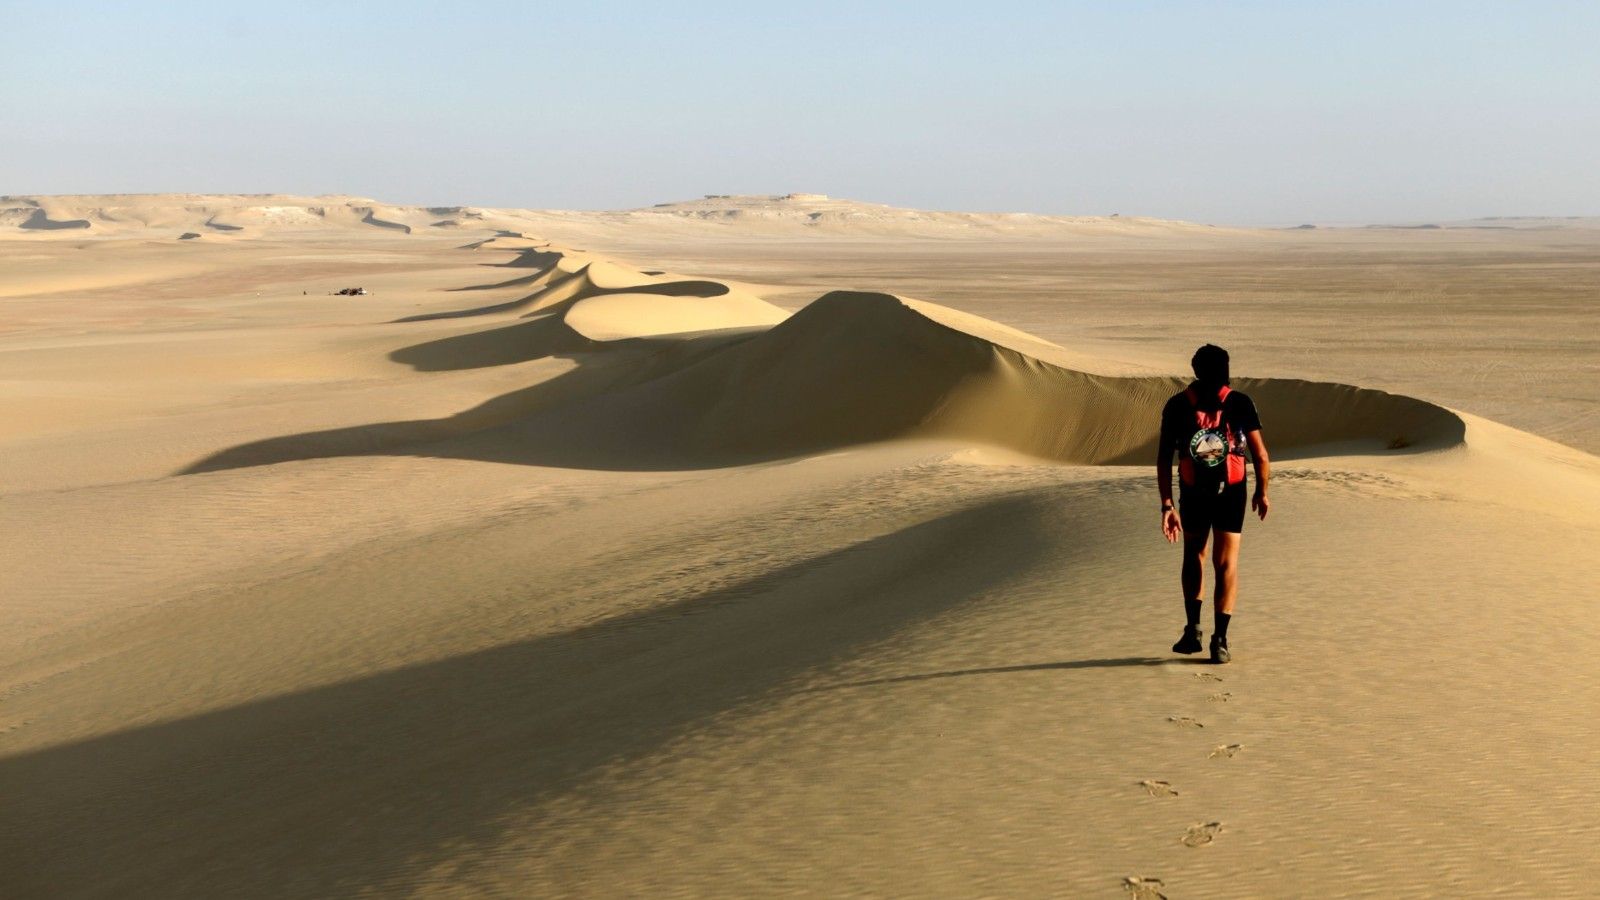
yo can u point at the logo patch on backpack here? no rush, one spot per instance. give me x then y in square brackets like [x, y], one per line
[1209, 447]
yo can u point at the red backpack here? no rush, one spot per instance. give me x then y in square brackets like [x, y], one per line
[1214, 443]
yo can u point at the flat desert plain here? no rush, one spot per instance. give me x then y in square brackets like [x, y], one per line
[783, 547]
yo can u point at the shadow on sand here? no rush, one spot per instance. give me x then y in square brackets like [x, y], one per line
[688, 288]
[1115, 663]
[547, 423]
[363, 785]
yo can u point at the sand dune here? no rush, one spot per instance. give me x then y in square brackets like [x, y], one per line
[849, 368]
[535, 572]
[857, 367]
[643, 314]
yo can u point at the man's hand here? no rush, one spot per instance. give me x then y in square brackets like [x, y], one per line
[1171, 525]
[1260, 505]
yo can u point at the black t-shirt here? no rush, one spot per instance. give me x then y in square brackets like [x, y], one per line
[1178, 422]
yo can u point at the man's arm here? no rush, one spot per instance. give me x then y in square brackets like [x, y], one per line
[1258, 452]
[1164, 475]
[1171, 526]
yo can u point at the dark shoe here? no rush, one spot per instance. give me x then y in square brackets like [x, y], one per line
[1219, 650]
[1190, 642]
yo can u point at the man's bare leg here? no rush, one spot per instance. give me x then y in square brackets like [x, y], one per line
[1225, 558]
[1194, 564]
[1194, 570]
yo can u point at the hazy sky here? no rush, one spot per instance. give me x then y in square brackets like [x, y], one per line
[1272, 112]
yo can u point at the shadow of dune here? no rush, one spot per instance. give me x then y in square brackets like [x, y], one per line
[496, 285]
[363, 785]
[531, 258]
[1307, 419]
[542, 280]
[506, 307]
[524, 340]
[686, 288]
[474, 433]
[499, 234]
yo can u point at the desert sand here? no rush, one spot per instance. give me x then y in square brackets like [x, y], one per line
[782, 546]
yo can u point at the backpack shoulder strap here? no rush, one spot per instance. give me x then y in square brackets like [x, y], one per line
[1223, 392]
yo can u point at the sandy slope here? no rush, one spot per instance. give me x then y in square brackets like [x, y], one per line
[559, 578]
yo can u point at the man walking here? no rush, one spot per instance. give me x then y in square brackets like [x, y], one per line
[1208, 425]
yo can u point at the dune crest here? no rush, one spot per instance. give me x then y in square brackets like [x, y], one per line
[857, 367]
[565, 279]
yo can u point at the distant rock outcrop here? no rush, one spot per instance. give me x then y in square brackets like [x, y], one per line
[257, 215]
[39, 220]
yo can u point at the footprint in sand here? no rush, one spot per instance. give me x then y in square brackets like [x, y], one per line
[1225, 750]
[1184, 722]
[1201, 834]
[1158, 788]
[1143, 888]
[1207, 676]
[1220, 697]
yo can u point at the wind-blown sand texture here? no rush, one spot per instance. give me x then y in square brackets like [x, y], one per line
[831, 568]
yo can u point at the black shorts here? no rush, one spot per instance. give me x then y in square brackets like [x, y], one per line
[1202, 509]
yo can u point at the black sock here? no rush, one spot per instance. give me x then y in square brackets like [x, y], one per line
[1191, 608]
[1222, 625]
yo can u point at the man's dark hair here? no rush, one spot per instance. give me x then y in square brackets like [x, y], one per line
[1210, 365]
